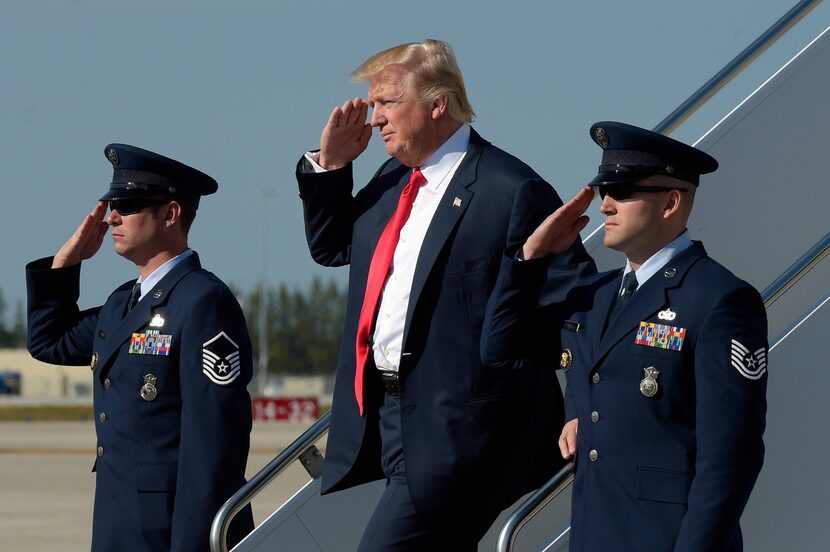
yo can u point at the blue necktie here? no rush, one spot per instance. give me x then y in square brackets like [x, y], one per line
[135, 295]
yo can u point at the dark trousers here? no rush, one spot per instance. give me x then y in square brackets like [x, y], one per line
[395, 525]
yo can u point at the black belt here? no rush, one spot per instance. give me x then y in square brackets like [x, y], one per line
[391, 382]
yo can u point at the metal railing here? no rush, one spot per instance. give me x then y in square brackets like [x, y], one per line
[792, 275]
[532, 506]
[243, 497]
[734, 67]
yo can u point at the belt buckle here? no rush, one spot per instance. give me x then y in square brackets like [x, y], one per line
[391, 382]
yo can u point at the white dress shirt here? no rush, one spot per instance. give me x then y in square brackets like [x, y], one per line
[162, 271]
[659, 259]
[394, 300]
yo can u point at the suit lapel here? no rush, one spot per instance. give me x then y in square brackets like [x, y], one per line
[649, 298]
[140, 314]
[452, 207]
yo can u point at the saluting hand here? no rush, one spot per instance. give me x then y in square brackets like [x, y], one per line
[86, 240]
[558, 232]
[346, 135]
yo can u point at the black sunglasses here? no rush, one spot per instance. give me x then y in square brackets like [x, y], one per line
[625, 190]
[130, 206]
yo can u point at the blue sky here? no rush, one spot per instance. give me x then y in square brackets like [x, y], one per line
[241, 89]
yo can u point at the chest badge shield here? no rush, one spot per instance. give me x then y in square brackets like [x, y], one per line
[148, 390]
[648, 385]
[157, 321]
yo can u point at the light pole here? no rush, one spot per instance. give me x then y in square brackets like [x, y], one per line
[262, 321]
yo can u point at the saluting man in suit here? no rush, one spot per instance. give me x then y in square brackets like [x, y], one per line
[666, 359]
[170, 356]
[456, 441]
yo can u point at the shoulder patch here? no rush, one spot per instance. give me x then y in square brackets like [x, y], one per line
[751, 365]
[220, 359]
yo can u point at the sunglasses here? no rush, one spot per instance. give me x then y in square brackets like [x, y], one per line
[130, 206]
[625, 190]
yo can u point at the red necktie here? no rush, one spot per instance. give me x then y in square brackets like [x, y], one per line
[378, 271]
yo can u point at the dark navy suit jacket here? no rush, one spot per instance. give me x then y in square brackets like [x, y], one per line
[166, 465]
[672, 471]
[474, 438]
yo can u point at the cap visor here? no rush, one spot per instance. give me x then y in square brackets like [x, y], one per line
[607, 178]
[122, 194]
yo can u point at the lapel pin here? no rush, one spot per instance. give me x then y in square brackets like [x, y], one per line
[567, 359]
[94, 362]
[670, 273]
[456, 202]
[667, 314]
[648, 386]
[157, 321]
[158, 293]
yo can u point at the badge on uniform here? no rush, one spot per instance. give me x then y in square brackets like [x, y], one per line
[150, 342]
[648, 385]
[660, 336]
[220, 359]
[748, 364]
[148, 390]
[566, 360]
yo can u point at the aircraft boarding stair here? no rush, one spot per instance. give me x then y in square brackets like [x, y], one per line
[763, 214]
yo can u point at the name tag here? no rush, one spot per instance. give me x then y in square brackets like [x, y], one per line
[150, 342]
[660, 336]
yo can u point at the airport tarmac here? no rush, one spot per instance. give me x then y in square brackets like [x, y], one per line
[46, 488]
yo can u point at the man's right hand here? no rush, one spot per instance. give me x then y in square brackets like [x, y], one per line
[567, 441]
[558, 232]
[346, 135]
[86, 240]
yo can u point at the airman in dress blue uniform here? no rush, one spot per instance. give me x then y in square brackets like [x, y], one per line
[666, 359]
[170, 357]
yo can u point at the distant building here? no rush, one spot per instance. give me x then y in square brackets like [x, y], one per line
[39, 380]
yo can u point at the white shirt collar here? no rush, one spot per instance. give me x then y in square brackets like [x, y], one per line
[659, 259]
[440, 164]
[162, 271]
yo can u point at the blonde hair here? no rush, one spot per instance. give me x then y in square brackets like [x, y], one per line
[433, 70]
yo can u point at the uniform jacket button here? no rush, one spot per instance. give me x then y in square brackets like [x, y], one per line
[103, 417]
[595, 377]
[593, 455]
[107, 383]
[594, 416]
[100, 450]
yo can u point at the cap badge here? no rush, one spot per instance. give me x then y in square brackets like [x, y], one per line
[148, 390]
[648, 386]
[567, 359]
[602, 137]
[112, 155]
[667, 314]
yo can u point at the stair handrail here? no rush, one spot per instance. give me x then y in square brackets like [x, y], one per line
[734, 67]
[528, 509]
[240, 499]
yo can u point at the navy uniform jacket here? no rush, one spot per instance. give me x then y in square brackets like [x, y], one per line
[672, 471]
[165, 465]
[467, 441]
